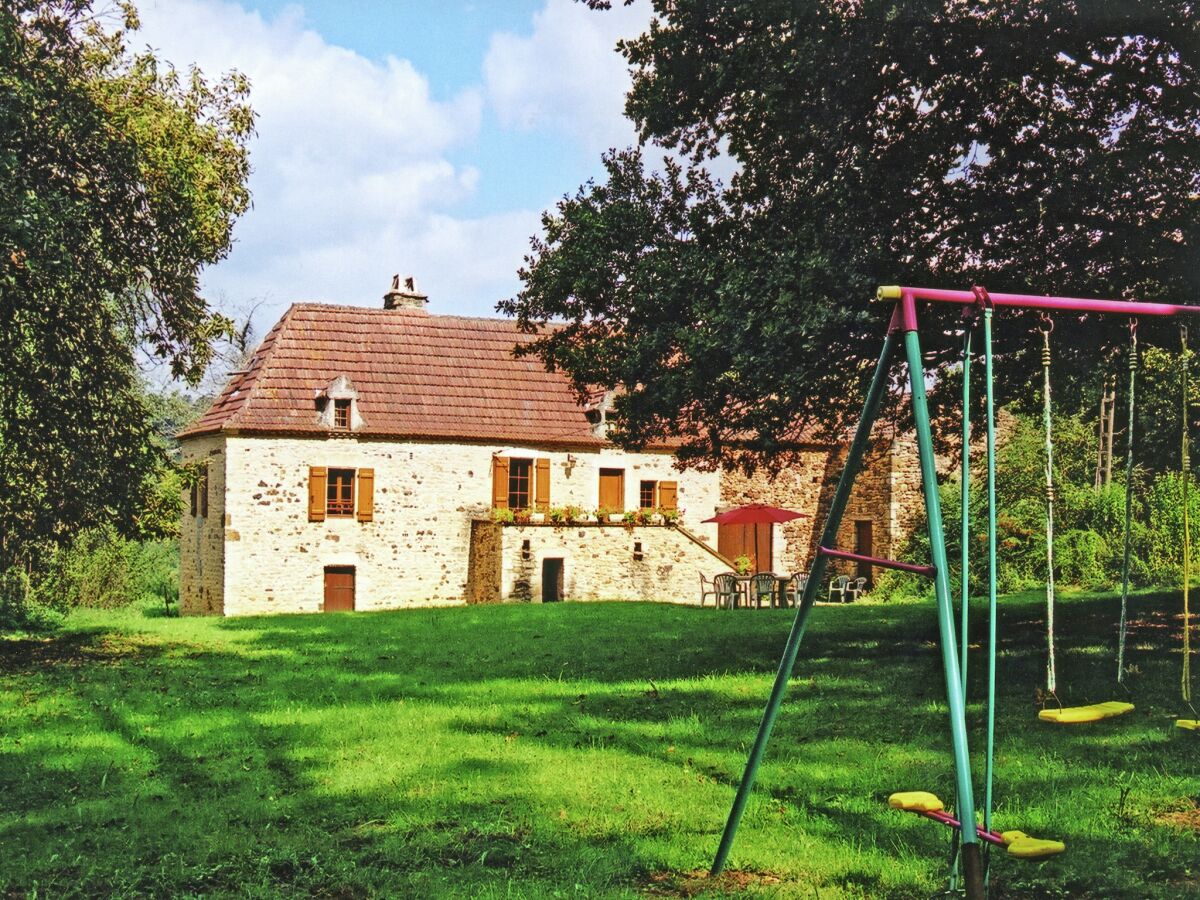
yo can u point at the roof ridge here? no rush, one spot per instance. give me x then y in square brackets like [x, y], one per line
[424, 313]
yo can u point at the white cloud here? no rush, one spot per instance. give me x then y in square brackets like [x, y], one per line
[566, 75]
[354, 172]
[352, 179]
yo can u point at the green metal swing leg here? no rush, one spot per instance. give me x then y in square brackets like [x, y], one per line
[828, 539]
[969, 853]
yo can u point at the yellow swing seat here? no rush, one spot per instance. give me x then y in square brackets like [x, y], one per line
[1022, 846]
[1017, 843]
[1072, 715]
[1188, 724]
[915, 801]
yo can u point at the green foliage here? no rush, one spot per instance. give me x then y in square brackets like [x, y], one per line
[100, 569]
[1089, 522]
[503, 516]
[20, 610]
[119, 181]
[1009, 144]
[1160, 408]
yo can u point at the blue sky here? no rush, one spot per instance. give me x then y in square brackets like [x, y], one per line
[422, 139]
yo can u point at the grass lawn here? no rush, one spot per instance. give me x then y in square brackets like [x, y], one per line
[571, 750]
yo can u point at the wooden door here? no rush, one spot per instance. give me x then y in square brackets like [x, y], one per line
[739, 540]
[864, 544]
[612, 489]
[339, 588]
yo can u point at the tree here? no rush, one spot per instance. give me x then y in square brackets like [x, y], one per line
[1042, 146]
[119, 181]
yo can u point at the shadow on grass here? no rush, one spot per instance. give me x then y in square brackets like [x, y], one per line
[524, 750]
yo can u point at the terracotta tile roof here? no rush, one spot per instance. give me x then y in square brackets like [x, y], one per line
[416, 375]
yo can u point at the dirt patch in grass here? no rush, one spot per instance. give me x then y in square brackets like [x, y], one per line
[697, 883]
[1184, 815]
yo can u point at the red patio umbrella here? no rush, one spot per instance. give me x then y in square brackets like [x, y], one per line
[756, 514]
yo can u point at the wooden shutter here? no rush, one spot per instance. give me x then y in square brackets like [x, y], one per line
[317, 477]
[612, 489]
[500, 482]
[366, 495]
[541, 486]
[668, 495]
[204, 492]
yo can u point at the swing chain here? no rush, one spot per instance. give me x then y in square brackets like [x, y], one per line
[1123, 627]
[1185, 466]
[1046, 326]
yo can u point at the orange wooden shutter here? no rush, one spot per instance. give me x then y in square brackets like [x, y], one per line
[366, 495]
[500, 482]
[541, 486]
[668, 495]
[204, 492]
[317, 476]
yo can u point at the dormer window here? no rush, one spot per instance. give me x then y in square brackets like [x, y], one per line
[341, 414]
[336, 404]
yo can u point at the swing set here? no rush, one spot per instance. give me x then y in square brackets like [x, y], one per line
[904, 327]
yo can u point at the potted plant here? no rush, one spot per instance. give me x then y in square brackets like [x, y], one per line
[502, 516]
[629, 518]
[656, 516]
[742, 564]
[669, 516]
[558, 516]
[575, 514]
[521, 516]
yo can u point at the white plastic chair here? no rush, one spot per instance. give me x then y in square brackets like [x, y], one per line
[838, 588]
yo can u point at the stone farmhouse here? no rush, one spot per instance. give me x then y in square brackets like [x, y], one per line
[363, 457]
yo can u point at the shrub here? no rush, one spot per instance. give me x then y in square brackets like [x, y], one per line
[19, 610]
[1083, 558]
[102, 570]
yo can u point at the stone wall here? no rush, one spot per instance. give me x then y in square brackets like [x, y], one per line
[202, 538]
[416, 551]
[887, 493]
[484, 563]
[600, 562]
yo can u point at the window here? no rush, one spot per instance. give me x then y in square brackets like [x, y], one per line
[339, 493]
[647, 496]
[520, 483]
[199, 504]
[520, 473]
[336, 493]
[341, 414]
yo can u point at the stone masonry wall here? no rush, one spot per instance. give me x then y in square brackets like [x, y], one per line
[201, 539]
[599, 562]
[416, 550]
[484, 564]
[887, 493]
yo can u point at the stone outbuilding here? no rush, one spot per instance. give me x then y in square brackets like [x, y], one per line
[383, 458]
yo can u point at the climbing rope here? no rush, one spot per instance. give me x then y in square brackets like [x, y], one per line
[1185, 457]
[1133, 365]
[1046, 326]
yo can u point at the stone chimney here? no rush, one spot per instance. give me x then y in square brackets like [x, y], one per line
[404, 296]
